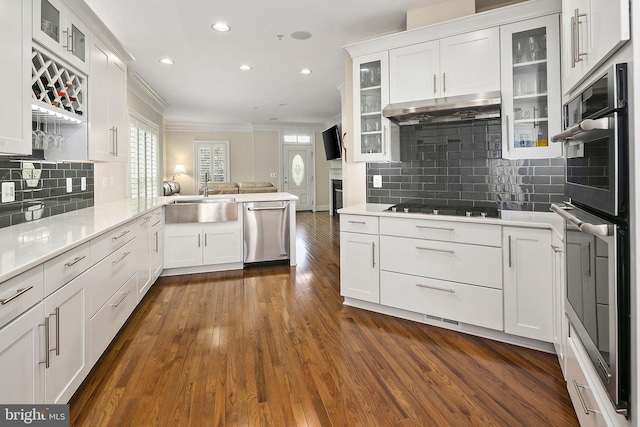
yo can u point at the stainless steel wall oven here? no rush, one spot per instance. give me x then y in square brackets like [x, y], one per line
[597, 227]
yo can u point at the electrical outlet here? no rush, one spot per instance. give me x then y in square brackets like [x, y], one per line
[112, 181]
[8, 192]
[69, 185]
[105, 182]
[83, 184]
[274, 174]
[377, 181]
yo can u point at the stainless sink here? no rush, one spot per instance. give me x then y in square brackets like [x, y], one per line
[201, 210]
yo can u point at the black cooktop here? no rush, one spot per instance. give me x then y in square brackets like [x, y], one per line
[433, 209]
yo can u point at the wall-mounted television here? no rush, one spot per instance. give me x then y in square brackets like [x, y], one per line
[332, 143]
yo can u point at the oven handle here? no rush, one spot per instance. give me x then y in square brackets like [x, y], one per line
[585, 227]
[585, 125]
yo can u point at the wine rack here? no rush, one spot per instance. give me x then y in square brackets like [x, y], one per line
[56, 88]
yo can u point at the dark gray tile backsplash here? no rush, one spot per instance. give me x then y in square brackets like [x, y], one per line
[460, 164]
[42, 191]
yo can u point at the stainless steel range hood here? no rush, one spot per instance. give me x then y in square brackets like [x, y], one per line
[453, 108]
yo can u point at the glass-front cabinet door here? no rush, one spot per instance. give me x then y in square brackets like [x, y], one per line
[372, 132]
[531, 102]
[56, 28]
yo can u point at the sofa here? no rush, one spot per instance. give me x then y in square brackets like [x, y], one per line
[240, 187]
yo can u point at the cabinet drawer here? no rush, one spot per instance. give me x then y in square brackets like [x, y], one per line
[580, 387]
[476, 265]
[109, 319]
[65, 267]
[20, 293]
[156, 216]
[359, 224]
[107, 243]
[475, 305]
[109, 274]
[448, 231]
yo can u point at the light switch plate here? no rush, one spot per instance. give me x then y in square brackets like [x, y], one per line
[69, 185]
[112, 181]
[8, 192]
[83, 184]
[377, 181]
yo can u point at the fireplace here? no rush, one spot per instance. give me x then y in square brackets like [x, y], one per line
[336, 195]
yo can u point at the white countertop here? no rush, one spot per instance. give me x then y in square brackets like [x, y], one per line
[529, 219]
[29, 244]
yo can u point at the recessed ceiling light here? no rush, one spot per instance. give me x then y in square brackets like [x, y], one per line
[221, 26]
[305, 71]
[245, 67]
[283, 104]
[273, 118]
[166, 61]
[301, 35]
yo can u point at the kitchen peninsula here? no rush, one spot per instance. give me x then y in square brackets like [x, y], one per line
[83, 273]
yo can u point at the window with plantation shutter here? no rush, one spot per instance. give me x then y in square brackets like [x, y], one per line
[144, 159]
[212, 157]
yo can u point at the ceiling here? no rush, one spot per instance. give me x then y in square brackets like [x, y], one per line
[205, 84]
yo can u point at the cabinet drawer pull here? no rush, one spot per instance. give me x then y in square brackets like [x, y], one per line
[146, 219]
[17, 294]
[434, 228]
[357, 222]
[586, 409]
[124, 233]
[435, 288]
[434, 84]
[124, 295]
[126, 254]
[75, 261]
[448, 251]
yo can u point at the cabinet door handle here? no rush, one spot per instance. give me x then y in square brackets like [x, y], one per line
[434, 85]
[14, 296]
[126, 254]
[67, 46]
[589, 258]
[75, 261]
[448, 251]
[205, 240]
[198, 240]
[47, 358]
[575, 21]
[508, 133]
[585, 408]
[124, 233]
[156, 235]
[451, 291]
[373, 255]
[124, 295]
[434, 228]
[116, 142]
[444, 82]
[509, 251]
[112, 138]
[384, 140]
[56, 313]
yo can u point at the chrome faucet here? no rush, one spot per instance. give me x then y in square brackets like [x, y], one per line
[207, 178]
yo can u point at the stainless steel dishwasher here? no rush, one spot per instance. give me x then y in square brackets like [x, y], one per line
[266, 231]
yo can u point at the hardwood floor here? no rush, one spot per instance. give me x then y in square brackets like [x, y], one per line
[274, 346]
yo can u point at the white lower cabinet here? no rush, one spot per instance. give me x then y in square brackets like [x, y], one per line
[360, 266]
[190, 245]
[560, 320]
[476, 305]
[21, 356]
[67, 346]
[586, 400]
[106, 323]
[143, 263]
[156, 252]
[528, 283]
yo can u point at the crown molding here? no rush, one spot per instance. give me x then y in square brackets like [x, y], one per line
[140, 88]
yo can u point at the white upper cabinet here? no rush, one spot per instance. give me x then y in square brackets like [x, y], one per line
[531, 100]
[592, 30]
[15, 50]
[58, 29]
[375, 137]
[458, 65]
[107, 106]
[470, 62]
[414, 72]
